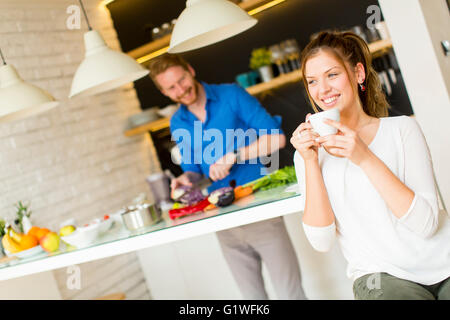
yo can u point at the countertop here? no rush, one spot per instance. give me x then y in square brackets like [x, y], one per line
[259, 206]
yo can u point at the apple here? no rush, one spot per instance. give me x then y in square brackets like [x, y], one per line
[50, 242]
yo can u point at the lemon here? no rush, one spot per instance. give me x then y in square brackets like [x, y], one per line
[66, 230]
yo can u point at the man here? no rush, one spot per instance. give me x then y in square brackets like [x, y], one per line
[215, 111]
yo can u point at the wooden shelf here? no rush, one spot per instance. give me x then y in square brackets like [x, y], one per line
[150, 47]
[151, 126]
[283, 79]
[164, 42]
[376, 48]
[380, 47]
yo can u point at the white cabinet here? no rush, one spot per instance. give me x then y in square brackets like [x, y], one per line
[194, 268]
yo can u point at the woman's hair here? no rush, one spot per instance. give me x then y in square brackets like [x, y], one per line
[349, 47]
[162, 63]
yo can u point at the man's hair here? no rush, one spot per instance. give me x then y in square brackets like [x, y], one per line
[162, 63]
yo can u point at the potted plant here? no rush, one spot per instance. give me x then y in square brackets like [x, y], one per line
[261, 60]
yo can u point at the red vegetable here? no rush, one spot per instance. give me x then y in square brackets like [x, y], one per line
[187, 195]
[180, 212]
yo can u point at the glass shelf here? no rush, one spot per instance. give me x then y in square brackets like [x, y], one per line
[118, 232]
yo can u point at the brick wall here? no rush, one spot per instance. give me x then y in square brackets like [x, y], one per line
[72, 161]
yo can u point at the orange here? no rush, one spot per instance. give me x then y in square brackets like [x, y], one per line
[42, 232]
[28, 241]
[33, 231]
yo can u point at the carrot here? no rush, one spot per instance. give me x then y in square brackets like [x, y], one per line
[210, 207]
[240, 192]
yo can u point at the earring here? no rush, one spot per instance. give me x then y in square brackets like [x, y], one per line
[362, 87]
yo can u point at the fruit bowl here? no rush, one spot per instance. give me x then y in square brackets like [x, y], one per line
[26, 253]
[83, 236]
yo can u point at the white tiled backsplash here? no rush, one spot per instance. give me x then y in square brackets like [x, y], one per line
[72, 161]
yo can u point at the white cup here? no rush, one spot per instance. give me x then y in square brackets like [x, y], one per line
[319, 126]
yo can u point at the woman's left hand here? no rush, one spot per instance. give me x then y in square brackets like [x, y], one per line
[346, 143]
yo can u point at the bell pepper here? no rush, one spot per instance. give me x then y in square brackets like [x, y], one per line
[180, 212]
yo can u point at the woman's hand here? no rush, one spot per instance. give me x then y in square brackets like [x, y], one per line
[346, 143]
[304, 141]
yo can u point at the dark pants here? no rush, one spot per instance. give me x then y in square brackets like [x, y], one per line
[383, 286]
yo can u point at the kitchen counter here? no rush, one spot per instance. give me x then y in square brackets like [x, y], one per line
[259, 206]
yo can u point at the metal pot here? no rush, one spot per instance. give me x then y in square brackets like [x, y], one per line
[140, 216]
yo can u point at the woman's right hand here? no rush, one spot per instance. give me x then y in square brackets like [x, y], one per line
[304, 140]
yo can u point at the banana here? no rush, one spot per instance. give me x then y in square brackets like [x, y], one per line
[10, 245]
[17, 237]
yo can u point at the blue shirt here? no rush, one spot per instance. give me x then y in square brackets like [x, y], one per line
[234, 119]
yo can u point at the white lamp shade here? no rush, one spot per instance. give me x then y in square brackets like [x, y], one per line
[19, 99]
[205, 22]
[103, 68]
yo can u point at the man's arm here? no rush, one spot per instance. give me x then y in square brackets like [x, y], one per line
[250, 110]
[264, 146]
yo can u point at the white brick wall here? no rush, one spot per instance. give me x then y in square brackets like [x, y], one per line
[72, 161]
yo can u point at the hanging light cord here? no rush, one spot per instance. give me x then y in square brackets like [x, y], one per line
[85, 15]
[3, 58]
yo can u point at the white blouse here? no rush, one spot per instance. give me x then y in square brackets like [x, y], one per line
[415, 247]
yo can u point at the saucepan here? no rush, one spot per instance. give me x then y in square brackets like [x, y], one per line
[139, 216]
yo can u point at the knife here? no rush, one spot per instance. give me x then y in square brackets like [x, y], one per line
[203, 183]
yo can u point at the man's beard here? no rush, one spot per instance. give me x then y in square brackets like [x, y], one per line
[194, 90]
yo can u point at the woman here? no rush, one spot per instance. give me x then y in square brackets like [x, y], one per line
[370, 185]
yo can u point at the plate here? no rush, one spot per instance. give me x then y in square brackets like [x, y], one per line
[26, 253]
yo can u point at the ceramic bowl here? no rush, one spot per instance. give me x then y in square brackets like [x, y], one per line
[83, 236]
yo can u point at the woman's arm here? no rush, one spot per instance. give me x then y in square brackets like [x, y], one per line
[423, 215]
[318, 215]
[395, 193]
[413, 202]
[318, 211]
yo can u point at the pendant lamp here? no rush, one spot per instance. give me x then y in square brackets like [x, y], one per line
[205, 22]
[19, 99]
[103, 69]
